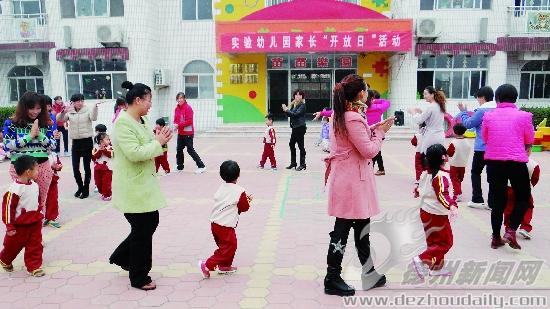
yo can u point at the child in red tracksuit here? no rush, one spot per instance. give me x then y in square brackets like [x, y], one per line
[162, 160]
[459, 152]
[269, 144]
[525, 228]
[102, 156]
[229, 202]
[52, 201]
[418, 167]
[436, 209]
[22, 215]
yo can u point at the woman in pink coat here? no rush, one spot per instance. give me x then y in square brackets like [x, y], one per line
[351, 186]
[508, 134]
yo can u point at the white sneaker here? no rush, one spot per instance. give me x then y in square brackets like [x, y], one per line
[260, 167]
[441, 272]
[166, 174]
[96, 189]
[458, 198]
[200, 170]
[478, 205]
[524, 234]
[421, 269]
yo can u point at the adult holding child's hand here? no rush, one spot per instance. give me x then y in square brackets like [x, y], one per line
[136, 189]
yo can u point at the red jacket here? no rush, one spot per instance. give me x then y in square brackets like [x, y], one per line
[183, 118]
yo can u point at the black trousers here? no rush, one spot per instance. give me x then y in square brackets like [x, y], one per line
[82, 149]
[65, 136]
[498, 174]
[297, 137]
[186, 141]
[478, 164]
[378, 159]
[135, 252]
[339, 240]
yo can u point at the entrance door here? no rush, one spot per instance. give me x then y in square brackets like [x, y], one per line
[278, 93]
[317, 87]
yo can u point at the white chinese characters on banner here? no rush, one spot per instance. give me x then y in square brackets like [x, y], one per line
[396, 40]
[312, 41]
[247, 42]
[235, 43]
[260, 42]
[299, 43]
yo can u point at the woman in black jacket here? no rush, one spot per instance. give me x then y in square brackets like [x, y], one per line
[297, 112]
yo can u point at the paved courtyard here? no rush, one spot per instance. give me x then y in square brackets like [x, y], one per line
[282, 241]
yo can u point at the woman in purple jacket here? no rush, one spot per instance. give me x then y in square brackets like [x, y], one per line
[508, 134]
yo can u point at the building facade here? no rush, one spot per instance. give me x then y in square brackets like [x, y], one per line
[237, 60]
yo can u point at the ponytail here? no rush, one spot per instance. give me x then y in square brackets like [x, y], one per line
[439, 97]
[339, 101]
[434, 158]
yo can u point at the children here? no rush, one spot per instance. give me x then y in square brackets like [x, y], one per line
[22, 215]
[162, 160]
[120, 105]
[459, 152]
[436, 208]
[52, 200]
[269, 144]
[229, 201]
[525, 227]
[418, 167]
[57, 108]
[325, 144]
[99, 128]
[103, 175]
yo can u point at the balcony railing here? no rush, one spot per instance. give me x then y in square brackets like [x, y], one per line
[17, 28]
[528, 20]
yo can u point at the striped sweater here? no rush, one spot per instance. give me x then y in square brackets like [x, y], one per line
[434, 193]
[18, 142]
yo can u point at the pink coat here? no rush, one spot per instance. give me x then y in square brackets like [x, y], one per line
[351, 184]
[375, 111]
[506, 130]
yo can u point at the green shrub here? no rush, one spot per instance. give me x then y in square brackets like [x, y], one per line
[539, 113]
[5, 113]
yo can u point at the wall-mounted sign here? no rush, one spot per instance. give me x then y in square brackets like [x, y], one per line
[538, 21]
[24, 28]
[244, 73]
[291, 42]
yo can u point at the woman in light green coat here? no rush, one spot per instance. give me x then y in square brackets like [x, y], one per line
[136, 190]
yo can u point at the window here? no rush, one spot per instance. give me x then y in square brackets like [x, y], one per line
[96, 79]
[81, 8]
[23, 79]
[455, 4]
[196, 9]
[30, 9]
[535, 80]
[198, 80]
[460, 77]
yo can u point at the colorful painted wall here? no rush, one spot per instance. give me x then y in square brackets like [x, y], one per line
[245, 99]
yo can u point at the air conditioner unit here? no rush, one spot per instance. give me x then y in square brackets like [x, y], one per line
[161, 78]
[534, 55]
[109, 36]
[427, 28]
[28, 58]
